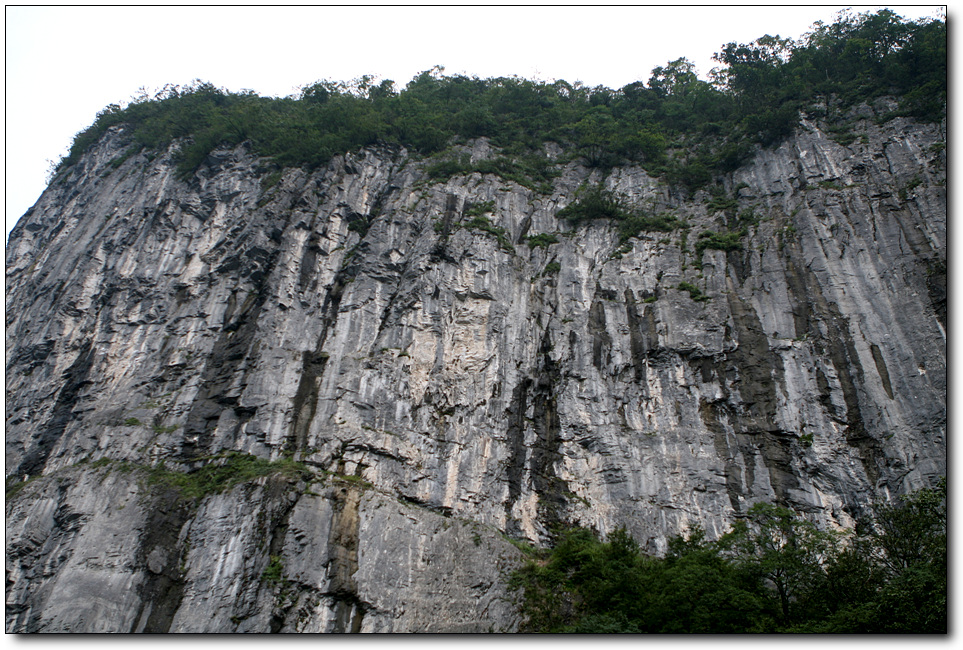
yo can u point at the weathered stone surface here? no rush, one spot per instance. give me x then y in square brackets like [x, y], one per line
[448, 389]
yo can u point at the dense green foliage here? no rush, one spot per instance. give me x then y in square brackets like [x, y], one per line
[676, 125]
[773, 572]
[541, 240]
[595, 202]
[722, 241]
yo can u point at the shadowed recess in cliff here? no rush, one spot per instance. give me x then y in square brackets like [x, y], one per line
[305, 401]
[753, 371]
[936, 286]
[163, 555]
[515, 466]
[546, 451]
[275, 529]
[349, 609]
[601, 339]
[219, 387]
[643, 335]
[536, 460]
[74, 380]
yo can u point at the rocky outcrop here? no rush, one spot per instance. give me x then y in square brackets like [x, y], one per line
[453, 388]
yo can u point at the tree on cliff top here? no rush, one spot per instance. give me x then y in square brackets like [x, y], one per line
[677, 125]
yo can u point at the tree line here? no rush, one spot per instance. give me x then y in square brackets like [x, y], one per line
[675, 125]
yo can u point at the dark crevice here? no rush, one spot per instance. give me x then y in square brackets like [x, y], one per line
[643, 335]
[936, 287]
[276, 533]
[444, 229]
[515, 467]
[601, 339]
[444, 511]
[343, 542]
[736, 483]
[799, 300]
[881, 369]
[306, 397]
[74, 380]
[539, 391]
[236, 342]
[314, 362]
[838, 346]
[163, 588]
[546, 453]
[759, 371]
[825, 394]
[307, 278]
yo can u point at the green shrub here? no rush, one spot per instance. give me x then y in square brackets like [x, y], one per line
[912, 185]
[723, 241]
[274, 573]
[844, 138]
[480, 208]
[445, 169]
[639, 222]
[271, 180]
[483, 224]
[722, 203]
[748, 217]
[541, 240]
[14, 485]
[595, 203]
[121, 159]
[359, 225]
[532, 171]
[694, 292]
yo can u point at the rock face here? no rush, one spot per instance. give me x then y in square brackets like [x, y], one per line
[452, 385]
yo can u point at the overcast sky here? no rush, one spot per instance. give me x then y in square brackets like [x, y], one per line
[64, 64]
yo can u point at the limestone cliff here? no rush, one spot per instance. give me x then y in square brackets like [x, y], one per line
[449, 385]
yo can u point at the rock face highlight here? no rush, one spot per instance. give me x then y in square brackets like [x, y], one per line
[449, 385]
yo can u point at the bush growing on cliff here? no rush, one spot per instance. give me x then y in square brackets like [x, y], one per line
[720, 241]
[593, 203]
[773, 572]
[541, 240]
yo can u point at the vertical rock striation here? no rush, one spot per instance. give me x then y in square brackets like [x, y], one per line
[447, 386]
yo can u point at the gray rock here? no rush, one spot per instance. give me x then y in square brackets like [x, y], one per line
[449, 389]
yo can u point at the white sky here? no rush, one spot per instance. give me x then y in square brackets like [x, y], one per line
[64, 64]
